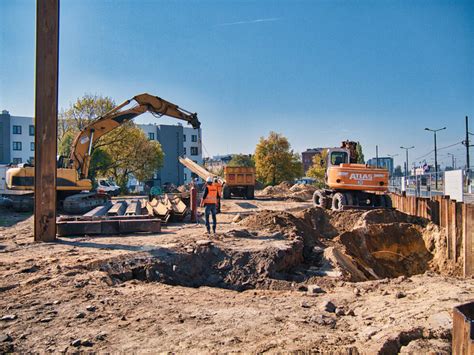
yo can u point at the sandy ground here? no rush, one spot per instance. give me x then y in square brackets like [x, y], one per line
[63, 296]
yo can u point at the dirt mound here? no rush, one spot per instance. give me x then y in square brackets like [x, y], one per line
[330, 223]
[283, 222]
[296, 192]
[383, 250]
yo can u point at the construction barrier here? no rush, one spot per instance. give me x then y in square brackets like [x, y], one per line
[456, 218]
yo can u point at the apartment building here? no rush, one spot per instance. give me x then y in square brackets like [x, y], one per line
[17, 139]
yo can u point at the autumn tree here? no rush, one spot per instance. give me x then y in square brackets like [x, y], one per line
[242, 160]
[318, 168]
[275, 161]
[131, 153]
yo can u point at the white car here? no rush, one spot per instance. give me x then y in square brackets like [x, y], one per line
[107, 187]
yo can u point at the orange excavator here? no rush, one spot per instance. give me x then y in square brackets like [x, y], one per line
[351, 185]
[72, 174]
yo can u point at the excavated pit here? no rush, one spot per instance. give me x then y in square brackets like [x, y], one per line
[349, 245]
[207, 264]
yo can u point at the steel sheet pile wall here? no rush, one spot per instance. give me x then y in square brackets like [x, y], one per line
[456, 218]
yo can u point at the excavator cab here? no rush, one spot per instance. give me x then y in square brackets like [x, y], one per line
[337, 156]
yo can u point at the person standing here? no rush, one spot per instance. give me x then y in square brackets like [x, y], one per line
[219, 193]
[209, 202]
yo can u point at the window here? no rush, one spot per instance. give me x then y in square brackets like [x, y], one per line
[32, 130]
[16, 145]
[185, 176]
[31, 160]
[16, 129]
[32, 146]
[151, 136]
[194, 138]
[194, 151]
[16, 160]
[184, 138]
[184, 152]
[338, 158]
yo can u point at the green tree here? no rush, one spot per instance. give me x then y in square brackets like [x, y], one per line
[275, 161]
[242, 160]
[134, 154]
[360, 154]
[318, 168]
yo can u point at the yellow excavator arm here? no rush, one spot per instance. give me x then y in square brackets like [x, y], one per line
[84, 141]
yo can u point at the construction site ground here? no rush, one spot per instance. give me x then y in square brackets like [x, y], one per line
[278, 276]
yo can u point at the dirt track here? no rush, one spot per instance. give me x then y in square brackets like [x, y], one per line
[249, 286]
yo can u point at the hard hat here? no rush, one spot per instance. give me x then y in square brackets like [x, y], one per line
[209, 179]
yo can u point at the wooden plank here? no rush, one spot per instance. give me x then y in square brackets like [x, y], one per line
[463, 342]
[458, 233]
[46, 116]
[468, 239]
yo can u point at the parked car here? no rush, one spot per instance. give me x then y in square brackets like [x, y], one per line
[107, 187]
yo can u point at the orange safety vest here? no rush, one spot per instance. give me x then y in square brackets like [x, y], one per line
[211, 198]
[219, 188]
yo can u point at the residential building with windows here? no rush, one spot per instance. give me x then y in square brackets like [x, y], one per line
[17, 137]
[192, 149]
[175, 141]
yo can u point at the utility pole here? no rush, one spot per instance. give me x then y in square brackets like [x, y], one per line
[377, 155]
[46, 118]
[406, 162]
[436, 153]
[453, 165]
[467, 145]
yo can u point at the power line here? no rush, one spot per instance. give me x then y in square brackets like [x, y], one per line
[431, 151]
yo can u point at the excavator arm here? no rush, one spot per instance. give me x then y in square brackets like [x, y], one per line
[84, 141]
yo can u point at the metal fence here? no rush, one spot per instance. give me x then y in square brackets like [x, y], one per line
[429, 185]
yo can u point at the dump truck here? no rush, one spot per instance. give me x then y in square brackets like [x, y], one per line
[73, 185]
[351, 185]
[240, 181]
[237, 181]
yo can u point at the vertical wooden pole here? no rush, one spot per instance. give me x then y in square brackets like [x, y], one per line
[46, 115]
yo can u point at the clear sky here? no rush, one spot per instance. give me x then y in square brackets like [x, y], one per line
[318, 72]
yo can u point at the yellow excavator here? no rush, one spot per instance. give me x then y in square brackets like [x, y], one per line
[72, 174]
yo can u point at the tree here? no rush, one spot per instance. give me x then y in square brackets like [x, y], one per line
[131, 154]
[242, 160]
[318, 168]
[360, 154]
[275, 161]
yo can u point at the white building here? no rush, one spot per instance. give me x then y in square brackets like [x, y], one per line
[17, 139]
[192, 144]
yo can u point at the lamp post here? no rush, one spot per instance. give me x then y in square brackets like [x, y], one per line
[406, 163]
[436, 152]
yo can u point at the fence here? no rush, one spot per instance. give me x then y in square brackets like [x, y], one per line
[456, 218]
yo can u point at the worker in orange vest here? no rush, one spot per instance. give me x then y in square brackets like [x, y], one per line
[209, 202]
[219, 193]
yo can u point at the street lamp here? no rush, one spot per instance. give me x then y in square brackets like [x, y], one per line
[406, 163]
[436, 152]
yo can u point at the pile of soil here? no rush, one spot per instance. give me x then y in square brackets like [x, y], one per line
[282, 222]
[296, 192]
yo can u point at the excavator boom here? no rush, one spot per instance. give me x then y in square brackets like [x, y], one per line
[84, 141]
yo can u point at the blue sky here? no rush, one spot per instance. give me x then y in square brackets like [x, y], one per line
[318, 72]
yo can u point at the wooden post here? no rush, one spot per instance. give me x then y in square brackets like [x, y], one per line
[46, 115]
[468, 239]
